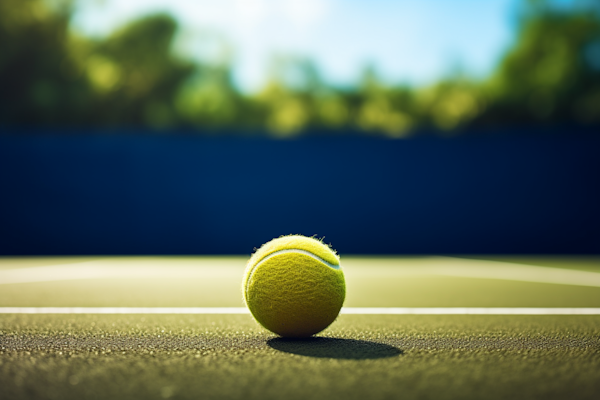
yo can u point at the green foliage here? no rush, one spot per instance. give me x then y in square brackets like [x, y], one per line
[39, 76]
[135, 75]
[547, 75]
[133, 78]
[210, 100]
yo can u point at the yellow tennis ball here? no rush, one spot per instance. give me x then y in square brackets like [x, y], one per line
[294, 286]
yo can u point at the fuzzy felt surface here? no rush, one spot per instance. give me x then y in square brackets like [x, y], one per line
[293, 294]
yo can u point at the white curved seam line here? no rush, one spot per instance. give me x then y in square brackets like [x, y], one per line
[278, 252]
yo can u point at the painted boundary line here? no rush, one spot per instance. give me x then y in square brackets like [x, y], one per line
[345, 310]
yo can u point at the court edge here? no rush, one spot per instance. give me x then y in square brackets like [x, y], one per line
[345, 310]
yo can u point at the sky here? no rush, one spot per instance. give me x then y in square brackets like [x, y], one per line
[405, 42]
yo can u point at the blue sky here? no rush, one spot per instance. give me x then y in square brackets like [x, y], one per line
[413, 42]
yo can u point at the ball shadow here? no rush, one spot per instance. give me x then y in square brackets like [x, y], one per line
[322, 347]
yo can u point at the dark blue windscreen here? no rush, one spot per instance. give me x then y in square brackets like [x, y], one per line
[178, 194]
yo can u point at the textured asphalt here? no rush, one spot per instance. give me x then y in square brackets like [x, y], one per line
[358, 357]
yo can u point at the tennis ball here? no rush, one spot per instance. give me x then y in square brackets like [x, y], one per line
[294, 286]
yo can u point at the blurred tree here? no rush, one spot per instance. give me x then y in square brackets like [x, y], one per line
[381, 109]
[289, 100]
[136, 76]
[287, 112]
[40, 79]
[51, 77]
[210, 100]
[548, 75]
[450, 104]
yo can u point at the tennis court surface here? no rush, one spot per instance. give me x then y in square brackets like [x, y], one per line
[412, 328]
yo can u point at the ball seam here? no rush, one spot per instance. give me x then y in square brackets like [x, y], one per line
[284, 251]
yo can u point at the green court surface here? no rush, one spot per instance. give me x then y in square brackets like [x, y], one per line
[213, 356]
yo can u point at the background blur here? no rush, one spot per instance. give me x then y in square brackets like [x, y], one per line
[388, 127]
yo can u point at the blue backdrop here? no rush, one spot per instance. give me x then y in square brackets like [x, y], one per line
[183, 194]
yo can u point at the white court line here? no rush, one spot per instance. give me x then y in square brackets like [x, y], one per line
[470, 311]
[345, 310]
[124, 310]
